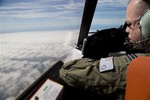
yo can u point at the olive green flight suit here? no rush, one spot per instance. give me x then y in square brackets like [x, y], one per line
[84, 73]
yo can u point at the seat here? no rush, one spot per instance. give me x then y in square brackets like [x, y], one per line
[138, 79]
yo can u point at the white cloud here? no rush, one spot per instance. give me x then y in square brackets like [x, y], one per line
[41, 15]
[40, 9]
[120, 3]
[25, 56]
[111, 21]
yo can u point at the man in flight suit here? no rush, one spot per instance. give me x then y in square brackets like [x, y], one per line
[108, 75]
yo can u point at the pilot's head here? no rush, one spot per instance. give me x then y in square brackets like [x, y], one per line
[138, 20]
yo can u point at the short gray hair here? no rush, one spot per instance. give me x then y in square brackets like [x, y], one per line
[146, 1]
[139, 1]
[140, 5]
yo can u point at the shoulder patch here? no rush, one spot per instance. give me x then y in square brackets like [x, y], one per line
[106, 64]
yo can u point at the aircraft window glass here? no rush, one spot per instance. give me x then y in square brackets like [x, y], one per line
[109, 14]
[34, 34]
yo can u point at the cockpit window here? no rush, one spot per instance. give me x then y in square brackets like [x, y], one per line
[34, 34]
[109, 14]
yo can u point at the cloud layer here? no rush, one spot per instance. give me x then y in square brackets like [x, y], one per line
[25, 56]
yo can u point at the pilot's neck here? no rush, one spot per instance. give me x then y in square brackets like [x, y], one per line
[145, 47]
[148, 47]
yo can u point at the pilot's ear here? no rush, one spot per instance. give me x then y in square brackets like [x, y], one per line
[139, 25]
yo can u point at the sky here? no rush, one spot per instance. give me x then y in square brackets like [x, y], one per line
[40, 15]
[47, 15]
[108, 14]
[41, 32]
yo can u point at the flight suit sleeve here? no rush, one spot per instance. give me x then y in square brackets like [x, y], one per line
[84, 73]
